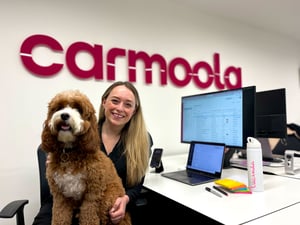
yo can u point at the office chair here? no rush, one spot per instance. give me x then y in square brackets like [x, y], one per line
[15, 208]
[44, 187]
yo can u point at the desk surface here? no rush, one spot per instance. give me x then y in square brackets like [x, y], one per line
[283, 216]
[233, 209]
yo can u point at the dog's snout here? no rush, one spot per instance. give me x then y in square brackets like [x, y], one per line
[65, 116]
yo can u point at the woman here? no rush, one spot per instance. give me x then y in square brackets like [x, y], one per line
[125, 140]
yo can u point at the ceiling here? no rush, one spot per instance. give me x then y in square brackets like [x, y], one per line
[279, 16]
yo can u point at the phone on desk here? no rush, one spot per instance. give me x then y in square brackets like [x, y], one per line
[156, 158]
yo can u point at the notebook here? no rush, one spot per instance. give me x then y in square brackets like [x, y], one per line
[204, 164]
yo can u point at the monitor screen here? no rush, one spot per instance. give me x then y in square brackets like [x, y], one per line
[223, 116]
[271, 114]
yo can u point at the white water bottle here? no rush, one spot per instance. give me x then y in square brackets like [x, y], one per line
[254, 165]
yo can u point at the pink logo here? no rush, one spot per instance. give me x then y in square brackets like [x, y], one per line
[252, 172]
[230, 79]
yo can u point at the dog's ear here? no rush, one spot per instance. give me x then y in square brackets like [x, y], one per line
[85, 126]
[49, 143]
[90, 141]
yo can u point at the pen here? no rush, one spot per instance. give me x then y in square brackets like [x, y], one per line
[220, 190]
[213, 192]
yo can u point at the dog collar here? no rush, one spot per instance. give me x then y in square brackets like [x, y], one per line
[68, 150]
[64, 156]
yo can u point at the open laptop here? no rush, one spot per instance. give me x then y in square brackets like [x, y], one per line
[267, 155]
[267, 151]
[204, 164]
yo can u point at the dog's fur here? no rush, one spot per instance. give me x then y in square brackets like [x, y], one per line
[80, 176]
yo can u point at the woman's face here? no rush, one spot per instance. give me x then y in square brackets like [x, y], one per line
[119, 106]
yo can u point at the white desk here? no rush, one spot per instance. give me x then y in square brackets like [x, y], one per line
[283, 216]
[279, 193]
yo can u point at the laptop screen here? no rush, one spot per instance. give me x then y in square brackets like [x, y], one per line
[206, 157]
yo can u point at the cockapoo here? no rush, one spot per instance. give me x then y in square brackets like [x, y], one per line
[82, 179]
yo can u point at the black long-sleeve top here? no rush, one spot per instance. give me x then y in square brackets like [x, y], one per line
[119, 160]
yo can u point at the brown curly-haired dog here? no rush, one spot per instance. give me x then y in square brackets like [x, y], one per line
[80, 176]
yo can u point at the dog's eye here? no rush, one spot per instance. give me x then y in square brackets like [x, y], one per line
[79, 108]
[53, 109]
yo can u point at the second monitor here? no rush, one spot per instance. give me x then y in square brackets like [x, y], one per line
[271, 114]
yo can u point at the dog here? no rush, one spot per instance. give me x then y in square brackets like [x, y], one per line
[81, 178]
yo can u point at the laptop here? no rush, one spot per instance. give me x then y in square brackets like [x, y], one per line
[267, 155]
[204, 164]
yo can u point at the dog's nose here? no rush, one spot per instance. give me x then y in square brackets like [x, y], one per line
[65, 116]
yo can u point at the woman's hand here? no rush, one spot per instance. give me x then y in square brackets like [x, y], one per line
[118, 210]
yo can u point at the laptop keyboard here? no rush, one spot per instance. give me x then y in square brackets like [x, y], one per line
[197, 176]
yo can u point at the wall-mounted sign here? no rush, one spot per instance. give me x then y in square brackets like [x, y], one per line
[230, 78]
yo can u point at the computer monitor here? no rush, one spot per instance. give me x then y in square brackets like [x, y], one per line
[271, 114]
[226, 116]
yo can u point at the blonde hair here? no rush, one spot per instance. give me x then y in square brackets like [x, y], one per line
[134, 137]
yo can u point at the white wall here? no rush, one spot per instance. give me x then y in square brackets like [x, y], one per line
[267, 61]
